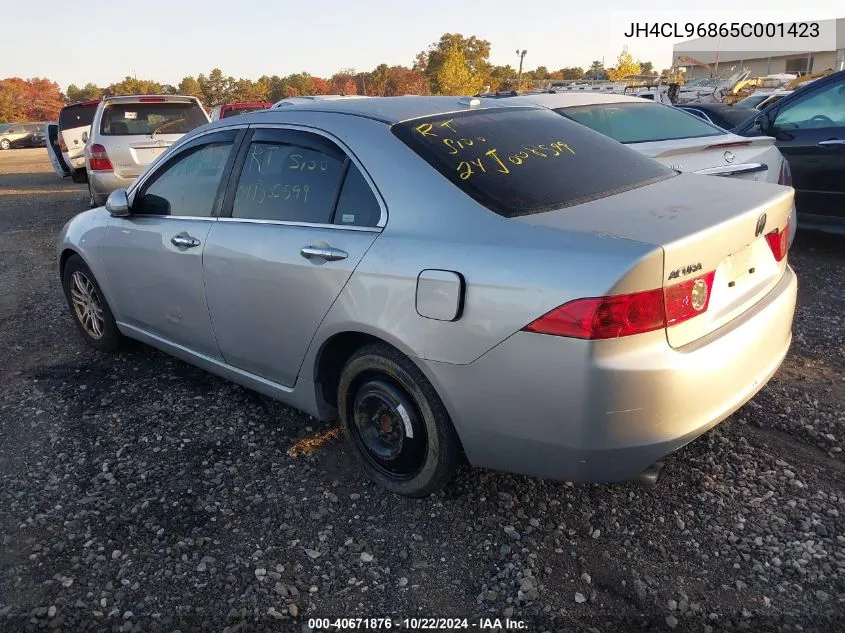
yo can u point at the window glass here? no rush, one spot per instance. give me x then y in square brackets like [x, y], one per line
[143, 119]
[187, 187]
[357, 205]
[517, 161]
[290, 183]
[77, 116]
[822, 108]
[639, 122]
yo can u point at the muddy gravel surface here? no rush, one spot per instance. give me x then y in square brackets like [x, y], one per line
[138, 493]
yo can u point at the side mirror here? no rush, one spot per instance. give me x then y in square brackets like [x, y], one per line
[84, 136]
[763, 123]
[118, 203]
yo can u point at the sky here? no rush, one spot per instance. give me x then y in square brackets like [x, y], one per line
[165, 40]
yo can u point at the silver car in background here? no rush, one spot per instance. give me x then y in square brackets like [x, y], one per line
[130, 132]
[449, 279]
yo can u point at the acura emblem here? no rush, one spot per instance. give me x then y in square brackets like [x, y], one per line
[761, 226]
[728, 156]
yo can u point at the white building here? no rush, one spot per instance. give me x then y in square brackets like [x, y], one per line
[816, 58]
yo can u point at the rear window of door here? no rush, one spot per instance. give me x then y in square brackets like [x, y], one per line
[821, 108]
[301, 177]
[144, 119]
[518, 161]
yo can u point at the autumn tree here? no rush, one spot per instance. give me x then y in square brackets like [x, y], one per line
[343, 82]
[405, 81]
[454, 75]
[473, 52]
[89, 92]
[625, 66]
[29, 100]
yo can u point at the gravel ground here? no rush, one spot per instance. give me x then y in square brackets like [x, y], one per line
[141, 494]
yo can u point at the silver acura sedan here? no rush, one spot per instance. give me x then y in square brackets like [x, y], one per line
[452, 280]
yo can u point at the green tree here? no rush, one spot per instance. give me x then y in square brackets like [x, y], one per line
[89, 92]
[454, 75]
[596, 71]
[189, 86]
[215, 88]
[541, 72]
[133, 86]
[625, 66]
[646, 68]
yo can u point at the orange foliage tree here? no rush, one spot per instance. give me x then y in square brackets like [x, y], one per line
[29, 100]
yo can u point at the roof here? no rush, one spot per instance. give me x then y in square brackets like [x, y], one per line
[563, 99]
[387, 109]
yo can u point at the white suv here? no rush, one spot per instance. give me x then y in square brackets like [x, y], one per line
[129, 132]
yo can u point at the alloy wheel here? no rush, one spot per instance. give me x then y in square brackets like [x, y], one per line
[86, 305]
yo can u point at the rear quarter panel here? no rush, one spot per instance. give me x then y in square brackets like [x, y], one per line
[514, 271]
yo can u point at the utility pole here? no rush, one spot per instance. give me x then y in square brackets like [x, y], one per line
[519, 76]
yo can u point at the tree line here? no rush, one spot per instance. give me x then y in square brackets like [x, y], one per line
[453, 65]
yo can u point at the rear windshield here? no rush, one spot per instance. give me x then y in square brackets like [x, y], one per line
[125, 119]
[640, 122]
[227, 111]
[518, 161]
[77, 116]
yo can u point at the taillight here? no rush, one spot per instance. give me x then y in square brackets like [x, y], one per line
[151, 100]
[785, 176]
[98, 160]
[728, 144]
[62, 144]
[779, 242]
[687, 299]
[624, 315]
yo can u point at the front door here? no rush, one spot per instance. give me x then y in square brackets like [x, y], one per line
[810, 132]
[301, 217]
[153, 257]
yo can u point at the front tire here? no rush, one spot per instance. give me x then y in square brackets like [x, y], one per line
[396, 423]
[5, 144]
[89, 308]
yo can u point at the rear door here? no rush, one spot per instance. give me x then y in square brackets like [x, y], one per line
[810, 132]
[135, 132]
[301, 215]
[53, 151]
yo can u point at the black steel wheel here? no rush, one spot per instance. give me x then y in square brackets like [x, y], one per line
[396, 422]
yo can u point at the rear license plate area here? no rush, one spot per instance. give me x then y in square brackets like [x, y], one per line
[739, 266]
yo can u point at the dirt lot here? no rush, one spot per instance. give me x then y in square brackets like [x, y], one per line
[140, 494]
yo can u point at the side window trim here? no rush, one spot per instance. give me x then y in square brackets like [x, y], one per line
[286, 133]
[217, 136]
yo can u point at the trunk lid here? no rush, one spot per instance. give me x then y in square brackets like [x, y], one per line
[728, 155]
[701, 228]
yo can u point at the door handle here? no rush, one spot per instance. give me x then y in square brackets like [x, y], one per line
[184, 240]
[326, 252]
[832, 142]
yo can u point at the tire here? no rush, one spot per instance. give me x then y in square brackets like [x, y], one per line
[5, 143]
[414, 453]
[77, 281]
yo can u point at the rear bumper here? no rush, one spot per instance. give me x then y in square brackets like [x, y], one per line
[604, 411]
[104, 182]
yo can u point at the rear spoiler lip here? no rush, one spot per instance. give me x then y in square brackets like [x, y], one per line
[703, 143]
[732, 170]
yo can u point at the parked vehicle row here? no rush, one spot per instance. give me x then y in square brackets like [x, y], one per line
[14, 135]
[446, 276]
